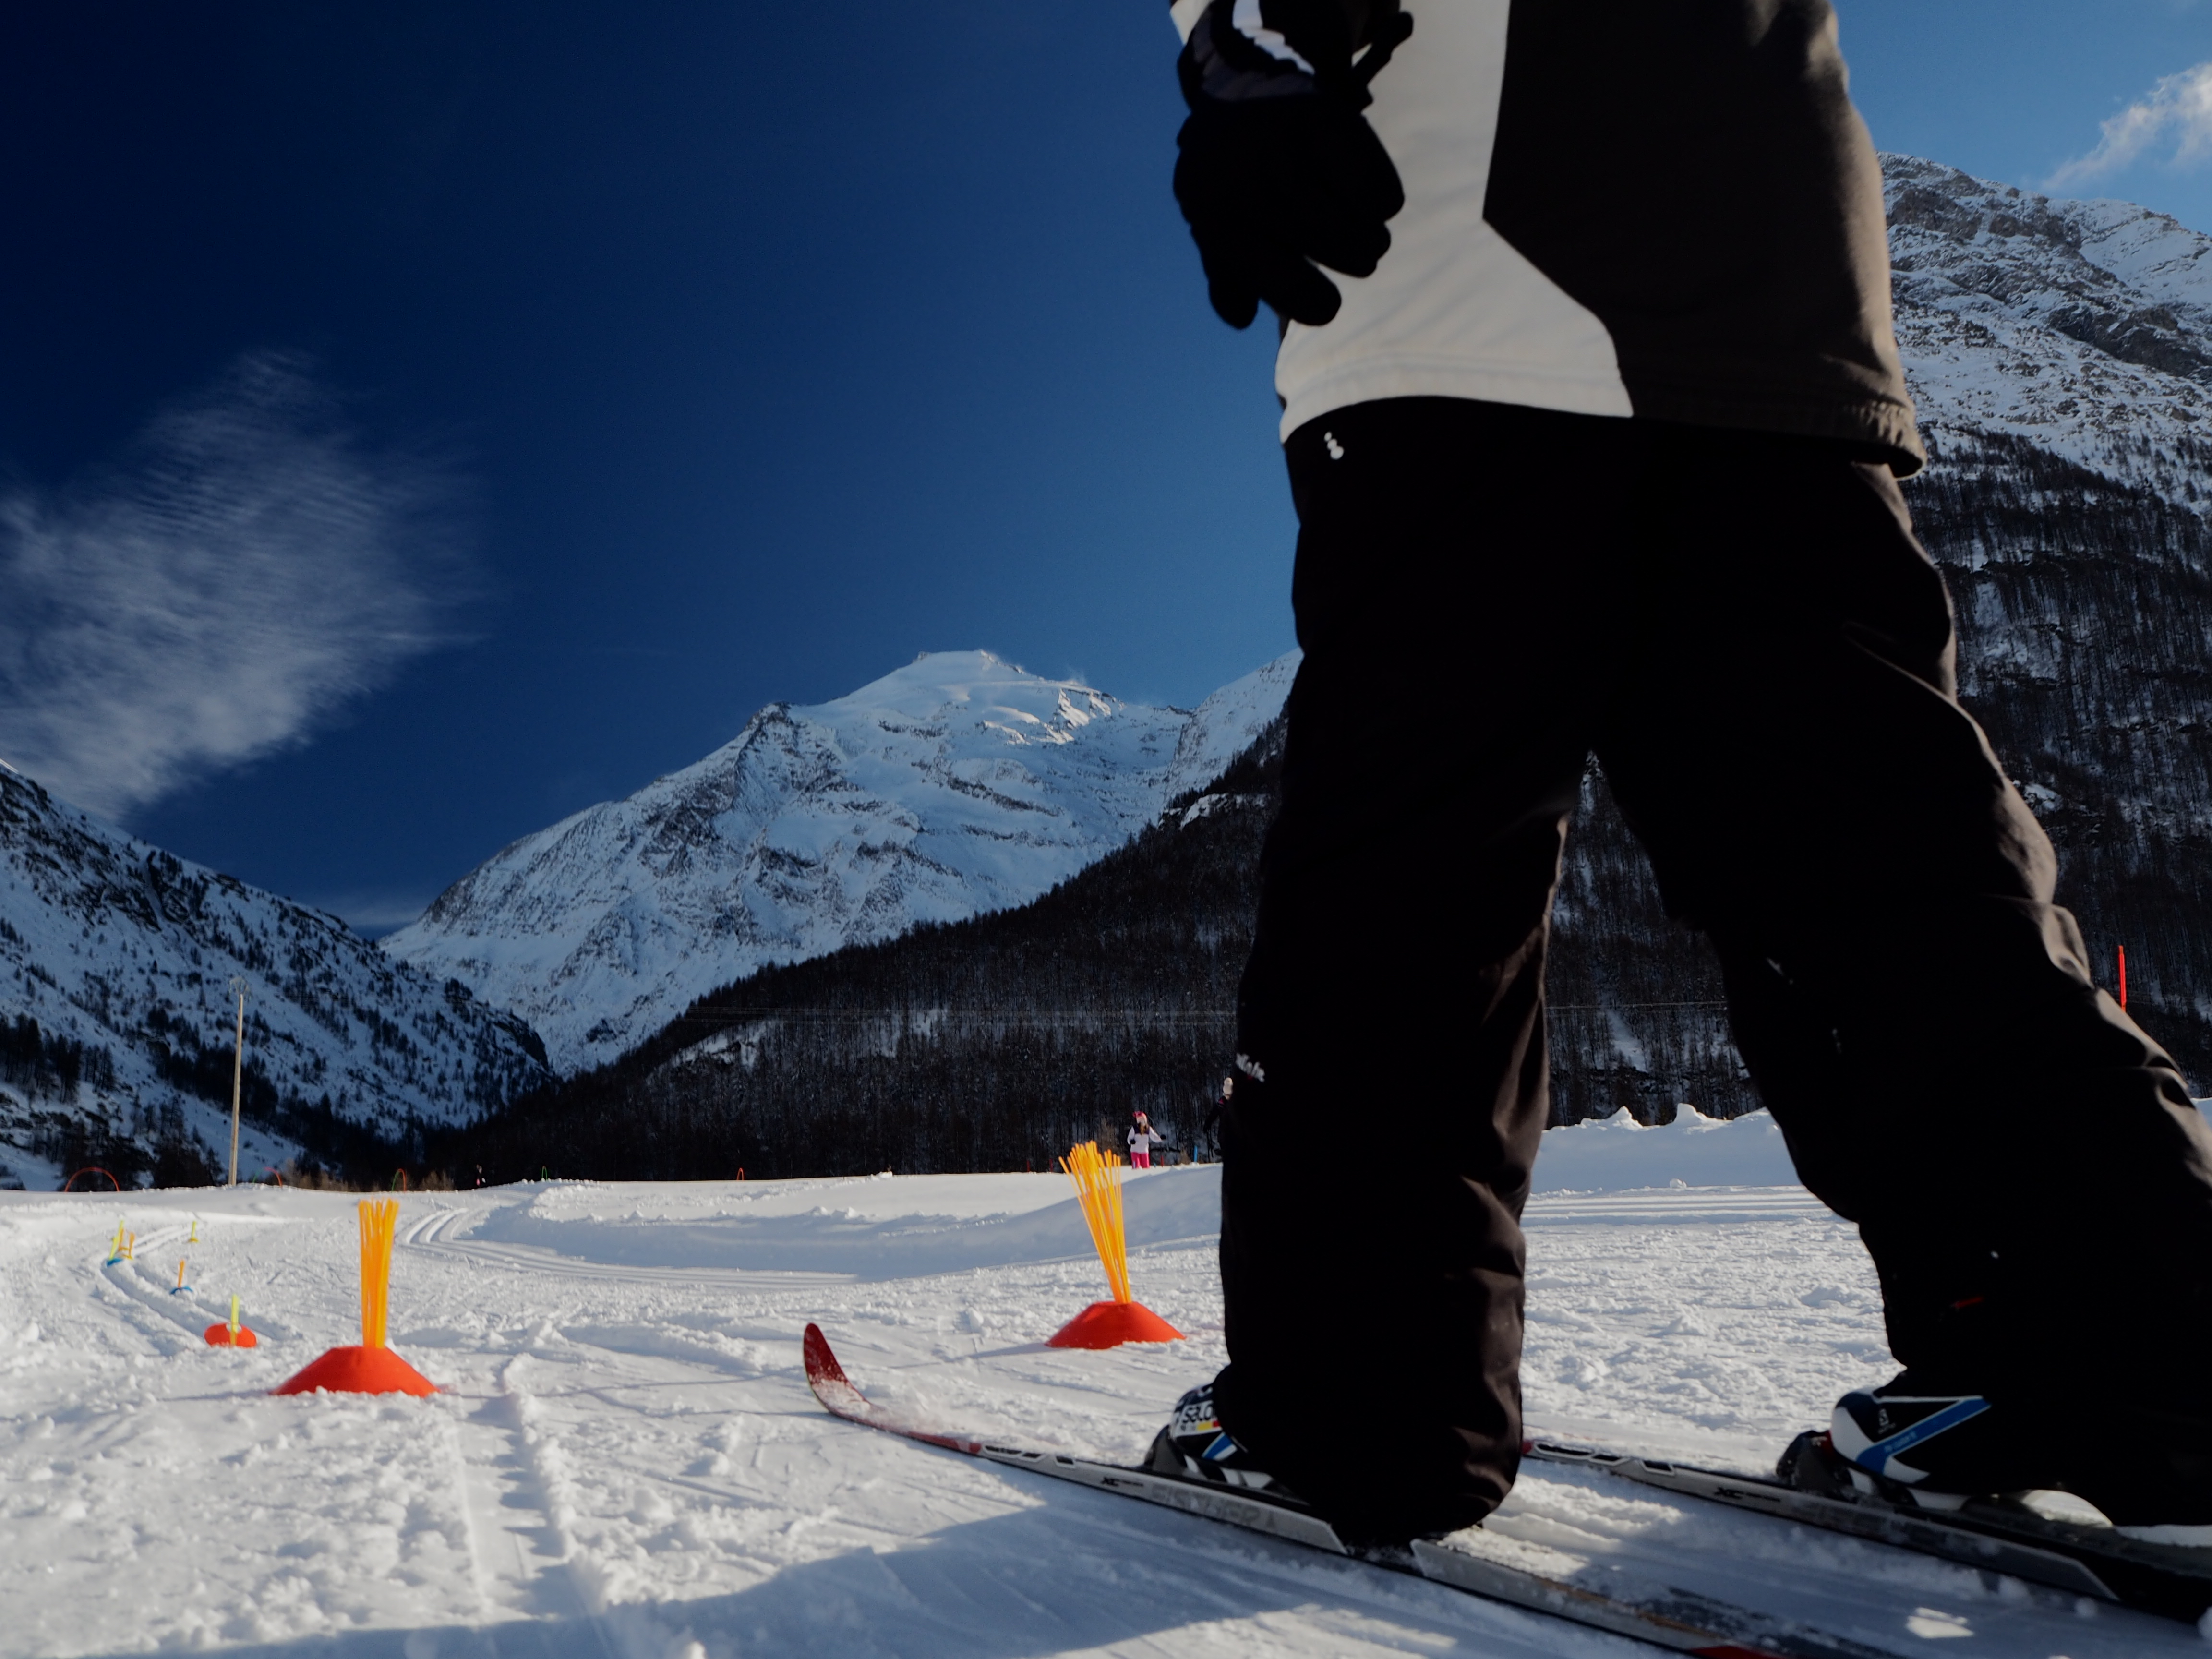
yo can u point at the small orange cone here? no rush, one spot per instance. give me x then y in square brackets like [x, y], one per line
[230, 1334]
[1110, 1324]
[359, 1371]
[1107, 1324]
[372, 1368]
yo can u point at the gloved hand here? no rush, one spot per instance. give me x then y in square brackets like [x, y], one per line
[1280, 171]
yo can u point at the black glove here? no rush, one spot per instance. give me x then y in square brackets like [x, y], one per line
[1280, 171]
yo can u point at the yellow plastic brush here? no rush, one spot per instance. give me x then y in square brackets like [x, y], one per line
[378, 1217]
[1098, 1190]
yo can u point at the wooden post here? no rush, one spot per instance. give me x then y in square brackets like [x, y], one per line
[237, 1077]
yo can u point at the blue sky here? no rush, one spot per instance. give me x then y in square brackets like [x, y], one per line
[418, 422]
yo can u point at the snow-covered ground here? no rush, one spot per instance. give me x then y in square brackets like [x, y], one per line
[626, 1461]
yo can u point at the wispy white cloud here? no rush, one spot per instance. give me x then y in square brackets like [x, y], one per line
[2178, 110]
[215, 594]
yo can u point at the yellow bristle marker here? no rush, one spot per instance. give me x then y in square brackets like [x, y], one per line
[1098, 1179]
[1098, 1190]
[233, 1318]
[378, 1219]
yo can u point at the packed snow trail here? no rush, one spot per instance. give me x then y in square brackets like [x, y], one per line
[626, 1460]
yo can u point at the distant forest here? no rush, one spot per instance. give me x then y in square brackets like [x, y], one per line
[994, 1043]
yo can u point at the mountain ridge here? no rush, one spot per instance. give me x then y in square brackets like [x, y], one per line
[117, 1021]
[956, 785]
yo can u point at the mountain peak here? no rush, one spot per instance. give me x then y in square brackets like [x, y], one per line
[957, 784]
[941, 682]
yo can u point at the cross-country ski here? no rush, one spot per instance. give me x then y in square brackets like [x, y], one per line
[2013, 1538]
[1655, 1613]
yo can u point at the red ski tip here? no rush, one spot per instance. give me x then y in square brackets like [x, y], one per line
[822, 1365]
[840, 1399]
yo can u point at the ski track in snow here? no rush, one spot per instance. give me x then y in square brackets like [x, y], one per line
[626, 1461]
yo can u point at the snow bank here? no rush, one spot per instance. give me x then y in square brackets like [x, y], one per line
[872, 1229]
[1617, 1154]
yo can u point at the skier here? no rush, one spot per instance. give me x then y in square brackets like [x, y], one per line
[1594, 418]
[1142, 1138]
[1210, 1129]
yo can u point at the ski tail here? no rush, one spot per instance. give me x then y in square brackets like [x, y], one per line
[1989, 1536]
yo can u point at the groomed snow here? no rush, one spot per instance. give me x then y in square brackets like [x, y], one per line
[626, 1461]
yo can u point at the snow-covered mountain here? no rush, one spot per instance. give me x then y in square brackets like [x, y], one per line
[2082, 328]
[116, 1024]
[956, 785]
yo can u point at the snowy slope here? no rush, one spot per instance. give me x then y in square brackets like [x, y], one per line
[956, 785]
[1223, 727]
[2083, 327]
[122, 955]
[626, 1461]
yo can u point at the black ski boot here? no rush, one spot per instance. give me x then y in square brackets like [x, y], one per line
[1194, 1446]
[1914, 1444]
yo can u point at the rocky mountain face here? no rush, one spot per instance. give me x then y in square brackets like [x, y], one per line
[117, 1024]
[2083, 329]
[2061, 356]
[957, 785]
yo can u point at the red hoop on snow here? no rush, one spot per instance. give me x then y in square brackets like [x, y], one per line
[91, 1169]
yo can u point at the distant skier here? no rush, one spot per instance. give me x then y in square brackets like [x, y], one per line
[1210, 1129]
[1594, 443]
[1142, 1138]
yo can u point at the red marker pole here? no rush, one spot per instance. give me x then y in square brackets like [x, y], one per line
[2123, 976]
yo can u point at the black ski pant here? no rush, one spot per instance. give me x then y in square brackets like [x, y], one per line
[1745, 632]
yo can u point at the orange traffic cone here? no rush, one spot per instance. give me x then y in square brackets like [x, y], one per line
[372, 1368]
[230, 1334]
[1107, 1324]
